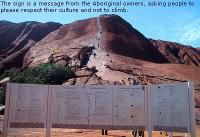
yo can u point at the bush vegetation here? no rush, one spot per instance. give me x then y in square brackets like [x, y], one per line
[44, 74]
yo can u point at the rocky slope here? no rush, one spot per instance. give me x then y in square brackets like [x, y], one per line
[17, 38]
[198, 49]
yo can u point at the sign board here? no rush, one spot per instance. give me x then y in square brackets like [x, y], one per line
[129, 107]
[99, 100]
[27, 106]
[107, 107]
[68, 107]
[170, 106]
[162, 107]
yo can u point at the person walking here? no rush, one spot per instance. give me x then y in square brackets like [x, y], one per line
[141, 133]
[104, 132]
[95, 55]
[134, 133]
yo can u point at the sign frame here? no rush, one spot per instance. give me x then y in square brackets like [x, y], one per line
[148, 105]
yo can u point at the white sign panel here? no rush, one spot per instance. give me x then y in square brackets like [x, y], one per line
[170, 107]
[129, 107]
[99, 105]
[28, 106]
[68, 107]
[81, 106]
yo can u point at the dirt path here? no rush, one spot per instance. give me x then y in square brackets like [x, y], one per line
[99, 31]
[99, 57]
[28, 132]
[82, 133]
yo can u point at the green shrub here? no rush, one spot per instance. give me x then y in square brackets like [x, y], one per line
[44, 74]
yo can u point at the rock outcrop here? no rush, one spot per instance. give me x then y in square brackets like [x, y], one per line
[178, 53]
[17, 38]
[69, 38]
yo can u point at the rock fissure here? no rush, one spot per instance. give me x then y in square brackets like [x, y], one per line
[143, 75]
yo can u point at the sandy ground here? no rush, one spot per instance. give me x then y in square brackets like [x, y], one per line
[79, 132]
[82, 133]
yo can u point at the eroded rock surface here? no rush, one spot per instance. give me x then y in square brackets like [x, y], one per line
[17, 38]
[178, 53]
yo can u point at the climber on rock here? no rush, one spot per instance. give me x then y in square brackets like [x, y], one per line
[95, 55]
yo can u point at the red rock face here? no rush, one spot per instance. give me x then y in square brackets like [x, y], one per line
[178, 53]
[68, 40]
[16, 39]
[121, 38]
[198, 49]
[118, 37]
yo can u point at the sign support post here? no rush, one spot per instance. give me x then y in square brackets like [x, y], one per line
[191, 110]
[149, 111]
[49, 100]
[6, 114]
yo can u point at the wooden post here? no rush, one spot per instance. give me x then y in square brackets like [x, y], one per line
[6, 114]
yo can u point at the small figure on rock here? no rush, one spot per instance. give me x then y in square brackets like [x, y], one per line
[95, 54]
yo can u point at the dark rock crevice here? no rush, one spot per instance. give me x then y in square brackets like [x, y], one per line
[130, 71]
